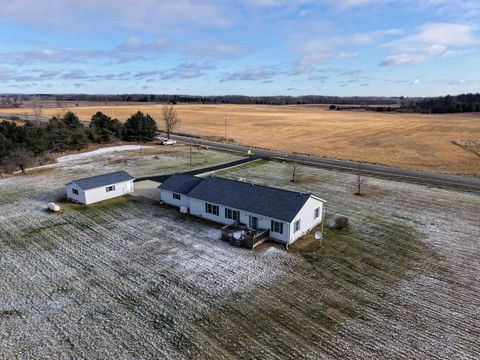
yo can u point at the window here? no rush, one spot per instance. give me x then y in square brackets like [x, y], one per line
[277, 227]
[177, 196]
[316, 213]
[75, 191]
[232, 214]
[296, 226]
[110, 188]
[211, 209]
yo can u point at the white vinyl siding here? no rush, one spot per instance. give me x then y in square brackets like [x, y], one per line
[98, 194]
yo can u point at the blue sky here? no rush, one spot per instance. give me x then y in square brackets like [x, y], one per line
[250, 47]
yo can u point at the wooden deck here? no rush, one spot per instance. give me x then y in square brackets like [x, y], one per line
[239, 235]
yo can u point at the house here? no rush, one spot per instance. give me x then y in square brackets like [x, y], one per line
[101, 187]
[288, 215]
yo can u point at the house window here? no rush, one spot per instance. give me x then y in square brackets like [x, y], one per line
[296, 226]
[211, 209]
[232, 214]
[177, 196]
[316, 213]
[110, 188]
[277, 227]
[75, 191]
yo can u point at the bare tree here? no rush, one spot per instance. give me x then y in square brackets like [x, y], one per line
[19, 158]
[293, 168]
[170, 118]
[37, 110]
[360, 182]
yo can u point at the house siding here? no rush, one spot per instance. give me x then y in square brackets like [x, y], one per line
[98, 194]
[306, 217]
[197, 208]
[167, 197]
[80, 198]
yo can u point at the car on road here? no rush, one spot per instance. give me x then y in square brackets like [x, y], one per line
[168, 142]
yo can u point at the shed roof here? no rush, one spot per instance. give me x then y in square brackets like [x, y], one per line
[180, 183]
[103, 180]
[271, 202]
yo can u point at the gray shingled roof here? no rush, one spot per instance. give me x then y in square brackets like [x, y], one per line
[271, 202]
[103, 180]
[180, 183]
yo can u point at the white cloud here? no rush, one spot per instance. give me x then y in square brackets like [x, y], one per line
[139, 14]
[252, 74]
[403, 59]
[446, 34]
[431, 40]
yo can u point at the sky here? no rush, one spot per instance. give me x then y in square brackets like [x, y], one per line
[250, 47]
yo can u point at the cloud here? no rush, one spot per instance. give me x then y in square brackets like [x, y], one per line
[186, 71]
[250, 75]
[438, 34]
[210, 50]
[339, 47]
[431, 40]
[147, 15]
[135, 44]
[403, 59]
[306, 63]
[48, 55]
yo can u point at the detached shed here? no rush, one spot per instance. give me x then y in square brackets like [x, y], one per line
[101, 187]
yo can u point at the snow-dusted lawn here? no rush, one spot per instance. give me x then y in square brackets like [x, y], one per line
[128, 278]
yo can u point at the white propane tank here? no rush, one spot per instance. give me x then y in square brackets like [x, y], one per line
[53, 207]
[183, 209]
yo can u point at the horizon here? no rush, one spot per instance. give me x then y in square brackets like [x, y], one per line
[344, 48]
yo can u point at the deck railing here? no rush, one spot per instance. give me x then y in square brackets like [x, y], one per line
[239, 235]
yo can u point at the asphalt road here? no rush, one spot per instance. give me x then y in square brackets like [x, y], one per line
[162, 178]
[369, 169]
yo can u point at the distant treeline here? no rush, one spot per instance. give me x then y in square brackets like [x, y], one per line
[223, 99]
[22, 146]
[445, 104]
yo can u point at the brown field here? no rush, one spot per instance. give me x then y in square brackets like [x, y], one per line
[404, 140]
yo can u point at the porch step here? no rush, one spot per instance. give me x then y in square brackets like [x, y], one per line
[235, 242]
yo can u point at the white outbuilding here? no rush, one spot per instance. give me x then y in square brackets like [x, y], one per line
[101, 187]
[285, 215]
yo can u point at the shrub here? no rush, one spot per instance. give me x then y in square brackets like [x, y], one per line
[340, 222]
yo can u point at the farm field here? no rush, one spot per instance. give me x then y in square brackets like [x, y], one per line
[130, 278]
[416, 141]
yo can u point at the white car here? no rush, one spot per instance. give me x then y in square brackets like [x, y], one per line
[168, 142]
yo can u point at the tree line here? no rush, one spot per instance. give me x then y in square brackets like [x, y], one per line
[444, 104]
[22, 146]
[10, 100]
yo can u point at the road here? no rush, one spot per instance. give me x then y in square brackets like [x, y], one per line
[162, 178]
[368, 169]
[26, 117]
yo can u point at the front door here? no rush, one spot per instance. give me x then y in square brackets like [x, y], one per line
[253, 222]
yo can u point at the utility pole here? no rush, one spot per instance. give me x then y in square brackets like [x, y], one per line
[226, 126]
[190, 156]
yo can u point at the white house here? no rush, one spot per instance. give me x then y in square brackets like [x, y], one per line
[101, 187]
[287, 214]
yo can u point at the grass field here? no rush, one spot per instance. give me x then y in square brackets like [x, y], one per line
[129, 278]
[404, 140]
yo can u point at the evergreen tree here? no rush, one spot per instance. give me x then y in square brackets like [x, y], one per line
[140, 127]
